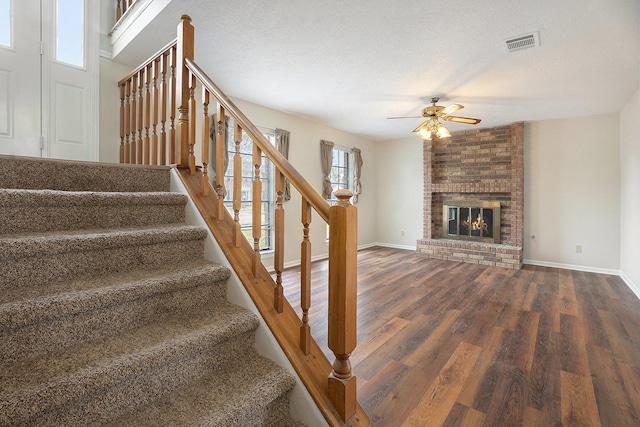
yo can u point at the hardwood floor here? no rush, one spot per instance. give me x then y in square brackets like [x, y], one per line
[442, 343]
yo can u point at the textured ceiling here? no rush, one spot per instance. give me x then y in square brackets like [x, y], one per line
[351, 64]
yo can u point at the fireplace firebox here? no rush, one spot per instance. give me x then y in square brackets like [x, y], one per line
[475, 221]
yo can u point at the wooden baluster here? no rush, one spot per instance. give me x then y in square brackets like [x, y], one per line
[163, 109]
[237, 186]
[343, 246]
[122, 89]
[185, 43]
[127, 122]
[191, 120]
[172, 110]
[147, 116]
[154, 122]
[134, 114]
[205, 141]
[119, 11]
[278, 255]
[221, 154]
[305, 278]
[256, 224]
[140, 116]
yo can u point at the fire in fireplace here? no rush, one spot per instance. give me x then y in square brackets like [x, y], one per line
[477, 221]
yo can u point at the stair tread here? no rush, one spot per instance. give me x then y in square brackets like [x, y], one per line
[225, 397]
[106, 359]
[24, 306]
[30, 244]
[57, 198]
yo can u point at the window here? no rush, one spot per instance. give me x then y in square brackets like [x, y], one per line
[5, 23]
[267, 178]
[70, 32]
[341, 175]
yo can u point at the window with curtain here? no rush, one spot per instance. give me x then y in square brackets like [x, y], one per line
[341, 174]
[268, 188]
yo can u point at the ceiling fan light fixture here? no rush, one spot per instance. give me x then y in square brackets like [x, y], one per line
[424, 134]
[430, 128]
[443, 132]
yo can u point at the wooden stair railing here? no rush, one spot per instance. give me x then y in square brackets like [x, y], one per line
[166, 86]
[122, 6]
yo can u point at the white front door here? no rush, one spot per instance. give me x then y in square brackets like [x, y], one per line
[51, 80]
[20, 81]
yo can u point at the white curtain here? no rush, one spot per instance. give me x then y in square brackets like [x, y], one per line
[282, 145]
[213, 130]
[326, 157]
[357, 170]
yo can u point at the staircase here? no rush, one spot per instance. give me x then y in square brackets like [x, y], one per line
[109, 313]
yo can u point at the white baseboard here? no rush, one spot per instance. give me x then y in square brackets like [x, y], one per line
[572, 267]
[634, 288]
[394, 246]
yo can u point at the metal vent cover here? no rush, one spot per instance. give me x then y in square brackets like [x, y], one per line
[522, 42]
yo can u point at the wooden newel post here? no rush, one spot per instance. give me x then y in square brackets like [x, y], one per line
[185, 49]
[343, 245]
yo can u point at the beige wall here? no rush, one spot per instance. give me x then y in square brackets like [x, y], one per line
[110, 73]
[630, 192]
[400, 188]
[572, 192]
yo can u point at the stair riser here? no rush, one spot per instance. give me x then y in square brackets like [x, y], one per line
[123, 389]
[36, 219]
[41, 270]
[102, 321]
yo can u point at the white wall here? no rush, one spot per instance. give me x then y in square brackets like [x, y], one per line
[304, 154]
[110, 73]
[572, 192]
[630, 192]
[400, 189]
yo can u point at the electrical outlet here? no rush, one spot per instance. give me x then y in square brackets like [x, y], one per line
[578, 249]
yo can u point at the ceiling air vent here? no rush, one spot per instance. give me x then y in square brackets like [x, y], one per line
[522, 42]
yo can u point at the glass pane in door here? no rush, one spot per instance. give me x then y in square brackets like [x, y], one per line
[5, 23]
[70, 32]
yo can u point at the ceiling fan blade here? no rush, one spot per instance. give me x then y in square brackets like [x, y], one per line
[458, 119]
[450, 109]
[406, 117]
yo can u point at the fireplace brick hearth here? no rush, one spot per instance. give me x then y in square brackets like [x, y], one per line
[475, 165]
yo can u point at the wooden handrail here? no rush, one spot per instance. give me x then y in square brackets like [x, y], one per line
[145, 96]
[307, 191]
[146, 63]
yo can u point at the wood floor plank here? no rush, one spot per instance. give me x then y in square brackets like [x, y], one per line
[437, 336]
[568, 301]
[579, 407]
[434, 407]
[470, 395]
[613, 401]
[544, 378]
[529, 325]
[510, 397]
[378, 338]
[536, 418]
[573, 352]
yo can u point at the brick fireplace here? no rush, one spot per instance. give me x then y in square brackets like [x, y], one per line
[484, 165]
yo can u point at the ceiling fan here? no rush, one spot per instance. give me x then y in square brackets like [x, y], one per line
[433, 126]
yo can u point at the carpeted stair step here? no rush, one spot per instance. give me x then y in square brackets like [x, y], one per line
[38, 259]
[105, 306]
[49, 210]
[256, 395]
[69, 175]
[96, 381]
